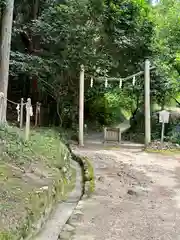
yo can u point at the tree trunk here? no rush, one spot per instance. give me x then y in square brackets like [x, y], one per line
[6, 32]
[35, 9]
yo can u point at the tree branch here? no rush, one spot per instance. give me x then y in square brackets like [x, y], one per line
[176, 100]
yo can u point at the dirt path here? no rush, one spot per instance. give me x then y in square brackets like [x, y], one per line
[137, 197]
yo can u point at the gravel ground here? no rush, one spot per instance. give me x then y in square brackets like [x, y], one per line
[137, 197]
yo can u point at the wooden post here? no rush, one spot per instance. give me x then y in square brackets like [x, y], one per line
[81, 107]
[38, 112]
[36, 116]
[162, 132]
[21, 113]
[1, 106]
[105, 134]
[27, 130]
[119, 135]
[85, 129]
[147, 103]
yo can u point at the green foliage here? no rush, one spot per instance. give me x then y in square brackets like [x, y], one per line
[108, 37]
[110, 106]
[174, 137]
[166, 47]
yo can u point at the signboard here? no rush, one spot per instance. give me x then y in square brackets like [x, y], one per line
[164, 116]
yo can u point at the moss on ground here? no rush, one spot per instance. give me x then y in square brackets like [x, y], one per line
[34, 175]
[89, 175]
[163, 151]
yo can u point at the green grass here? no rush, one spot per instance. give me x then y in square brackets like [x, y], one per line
[32, 179]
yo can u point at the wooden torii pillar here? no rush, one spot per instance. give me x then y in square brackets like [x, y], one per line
[81, 107]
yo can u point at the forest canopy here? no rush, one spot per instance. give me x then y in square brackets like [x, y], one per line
[51, 39]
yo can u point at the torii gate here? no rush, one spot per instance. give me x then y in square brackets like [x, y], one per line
[146, 73]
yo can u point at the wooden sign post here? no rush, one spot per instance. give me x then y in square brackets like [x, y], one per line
[163, 118]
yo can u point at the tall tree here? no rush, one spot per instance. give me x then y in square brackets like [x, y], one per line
[166, 47]
[6, 32]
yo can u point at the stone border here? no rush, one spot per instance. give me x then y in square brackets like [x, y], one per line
[87, 174]
[70, 227]
[88, 180]
[63, 211]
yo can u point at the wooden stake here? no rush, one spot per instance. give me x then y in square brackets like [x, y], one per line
[27, 130]
[91, 82]
[106, 83]
[134, 80]
[21, 113]
[1, 106]
[39, 111]
[81, 107]
[119, 135]
[37, 116]
[105, 134]
[120, 83]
